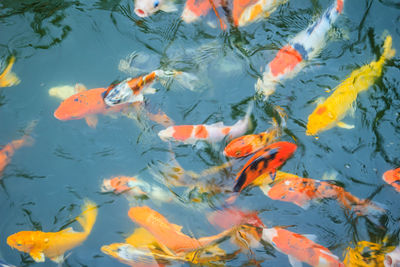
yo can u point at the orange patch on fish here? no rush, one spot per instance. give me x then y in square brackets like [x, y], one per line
[226, 130]
[199, 7]
[200, 132]
[286, 59]
[238, 7]
[321, 110]
[182, 132]
[392, 177]
[339, 7]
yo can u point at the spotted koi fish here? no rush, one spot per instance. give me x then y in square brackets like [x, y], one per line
[212, 133]
[300, 249]
[7, 77]
[330, 113]
[392, 177]
[304, 46]
[54, 244]
[301, 191]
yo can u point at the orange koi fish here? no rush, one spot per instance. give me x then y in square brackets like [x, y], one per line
[267, 160]
[190, 134]
[392, 177]
[7, 77]
[301, 191]
[85, 104]
[170, 234]
[134, 187]
[54, 244]
[299, 248]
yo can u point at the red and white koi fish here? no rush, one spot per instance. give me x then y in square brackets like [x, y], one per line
[301, 191]
[212, 133]
[392, 177]
[134, 187]
[300, 249]
[305, 46]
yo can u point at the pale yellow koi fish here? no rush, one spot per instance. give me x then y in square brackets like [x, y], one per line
[7, 77]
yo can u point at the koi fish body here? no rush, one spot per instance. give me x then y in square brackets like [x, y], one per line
[330, 113]
[7, 77]
[392, 177]
[291, 58]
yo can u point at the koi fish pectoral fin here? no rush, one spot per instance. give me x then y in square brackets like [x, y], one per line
[79, 88]
[37, 255]
[91, 121]
[294, 262]
[345, 125]
[58, 259]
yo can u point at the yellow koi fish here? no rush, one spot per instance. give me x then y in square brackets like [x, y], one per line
[330, 113]
[367, 254]
[7, 77]
[54, 244]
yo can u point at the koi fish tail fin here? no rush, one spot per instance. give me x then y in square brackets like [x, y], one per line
[388, 51]
[246, 119]
[282, 116]
[88, 216]
[265, 86]
[372, 210]
[9, 78]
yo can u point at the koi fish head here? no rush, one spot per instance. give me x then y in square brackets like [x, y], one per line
[81, 104]
[392, 177]
[239, 147]
[321, 119]
[121, 184]
[392, 259]
[145, 8]
[25, 241]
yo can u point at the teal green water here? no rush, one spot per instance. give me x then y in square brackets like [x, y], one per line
[65, 42]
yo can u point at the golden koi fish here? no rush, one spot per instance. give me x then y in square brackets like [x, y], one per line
[54, 244]
[367, 254]
[330, 113]
[7, 77]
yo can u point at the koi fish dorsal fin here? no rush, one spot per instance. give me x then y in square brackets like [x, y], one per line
[37, 255]
[79, 88]
[58, 259]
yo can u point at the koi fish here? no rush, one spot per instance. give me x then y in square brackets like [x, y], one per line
[392, 177]
[367, 254]
[145, 8]
[7, 152]
[62, 92]
[85, 104]
[330, 113]
[304, 46]
[267, 160]
[392, 259]
[301, 191]
[190, 134]
[54, 244]
[170, 234]
[134, 187]
[299, 248]
[7, 77]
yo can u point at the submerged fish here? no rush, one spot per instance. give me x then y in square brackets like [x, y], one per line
[367, 254]
[267, 160]
[392, 177]
[145, 8]
[302, 191]
[392, 259]
[330, 113]
[134, 187]
[170, 234]
[85, 104]
[54, 244]
[300, 249]
[7, 77]
[304, 46]
[190, 134]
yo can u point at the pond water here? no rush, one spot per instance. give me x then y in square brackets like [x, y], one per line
[64, 42]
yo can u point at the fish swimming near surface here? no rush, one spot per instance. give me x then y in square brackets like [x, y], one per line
[169, 234]
[145, 8]
[368, 254]
[212, 133]
[54, 244]
[7, 77]
[302, 191]
[267, 160]
[392, 259]
[134, 187]
[291, 58]
[7, 152]
[330, 113]
[392, 177]
[85, 104]
[299, 248]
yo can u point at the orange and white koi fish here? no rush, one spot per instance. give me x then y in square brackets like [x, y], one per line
[133, 187]
[212, 133]
[330, 113]
[54, 244]
[170, 234]
[7, 152]
[304, 46]
[300, 249]
[85, 104]
[302, 191]
[392, 177]
[7, 77]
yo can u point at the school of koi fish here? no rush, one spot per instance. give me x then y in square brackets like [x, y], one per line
[258, 158]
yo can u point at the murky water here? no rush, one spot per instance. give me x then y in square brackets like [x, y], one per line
[64, 42]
